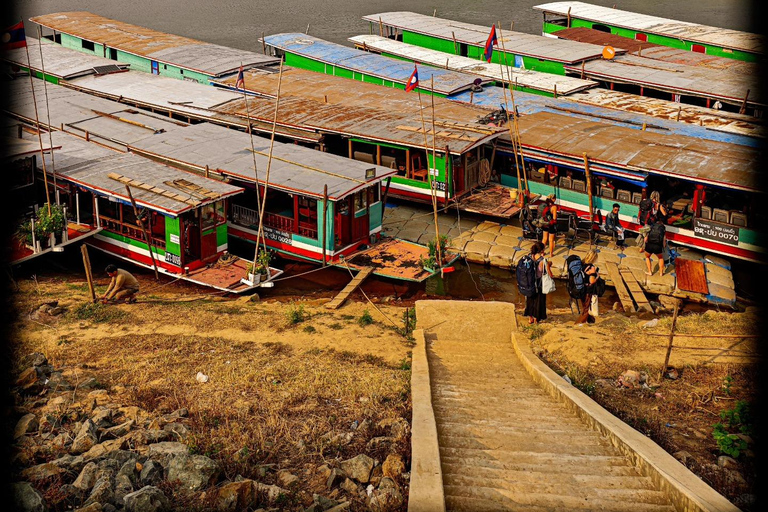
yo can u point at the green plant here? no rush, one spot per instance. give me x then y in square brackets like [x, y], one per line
[335, 326]
[728, 443]
[262, 262]
[737, 418]
[431, 261]
[309, 329]
[97, 312]
[365, 319]
[45, 224]
[409, 323]
[295, 313]
[727, 381]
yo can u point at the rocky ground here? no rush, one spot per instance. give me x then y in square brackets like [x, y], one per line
[713, 380]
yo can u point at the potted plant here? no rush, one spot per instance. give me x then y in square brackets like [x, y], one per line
[46, 224]
[260, 271]
[430, 263]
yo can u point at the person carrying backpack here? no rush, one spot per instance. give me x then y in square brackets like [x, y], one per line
[548, 214]
[529, 273]
[594, 286]
[655, 241]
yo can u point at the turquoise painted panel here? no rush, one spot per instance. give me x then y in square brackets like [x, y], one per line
[375, 214]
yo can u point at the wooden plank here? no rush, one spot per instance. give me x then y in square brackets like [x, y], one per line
[351, 287]
[621, 288]
[691, 276]
[634, 289]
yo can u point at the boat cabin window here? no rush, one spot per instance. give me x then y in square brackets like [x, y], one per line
[119, 218]
[374, 194]
[213, 214]
[88, 45]
[601, 27]
[419, 166]
[361, 198]
[394, 159]
[555, 19]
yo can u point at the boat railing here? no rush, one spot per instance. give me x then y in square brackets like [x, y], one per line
[250, 218]
[244, 216]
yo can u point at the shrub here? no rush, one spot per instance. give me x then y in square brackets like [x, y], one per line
[295, 313]
[365, 319]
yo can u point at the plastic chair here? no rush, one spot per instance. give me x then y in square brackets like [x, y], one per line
[720, 215]
[623, 196]
[565, 182]
[580, 185]
[637, 197]
[706, 212]
[738, 219]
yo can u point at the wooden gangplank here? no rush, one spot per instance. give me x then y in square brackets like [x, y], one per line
[351, 287]
[634, 289]
[621, 288]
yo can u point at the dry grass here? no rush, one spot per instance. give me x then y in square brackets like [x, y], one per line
[275, 389]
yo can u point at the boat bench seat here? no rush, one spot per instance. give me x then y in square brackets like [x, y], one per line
[363, 157]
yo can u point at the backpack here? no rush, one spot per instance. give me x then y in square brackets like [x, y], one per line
[545, 214]
[644, 209]
[656, 234]
[526, 276]
[576, 277]
[598, 288]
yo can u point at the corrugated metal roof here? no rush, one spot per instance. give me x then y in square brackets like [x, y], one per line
[711, 162]
[519, 43]
[293, 168]
[674, 78]
[79, 112]
[655, 51]
[209, 59]
[727, 38]
[14, 147]
[89, 165]
[57, 60]
[524, 77]
[445, 81]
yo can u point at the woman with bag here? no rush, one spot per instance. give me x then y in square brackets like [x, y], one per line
[591, 271]
[536, 303]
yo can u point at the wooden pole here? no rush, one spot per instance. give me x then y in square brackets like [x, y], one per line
[743, 108]
[381, 28]
[568, 19]
[325, 218]
[263, 44]
[47, 110]
[39, 135]
[143, 229]
[455, 46]
[432, 186]
[671, 338]
[88, 275]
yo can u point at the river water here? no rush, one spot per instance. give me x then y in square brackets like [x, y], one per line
[239, 23]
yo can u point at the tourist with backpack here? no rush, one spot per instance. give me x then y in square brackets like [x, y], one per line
[548, 222]
[584, 283]
[529, 272]
[655, 241]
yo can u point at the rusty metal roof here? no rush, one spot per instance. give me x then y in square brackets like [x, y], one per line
[519, 43]
[57, 60]
[724, 37]
[674, 78]
[655, 51]
[90, 165]
[546, 82]
[613, 147]
[206, 58]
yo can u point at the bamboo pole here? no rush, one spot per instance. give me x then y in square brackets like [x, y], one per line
[455, 46]
[568, 19]
[325, 218]
[263, 44]
[743, 108]
[39, 135]
[514, 133]
[671, 338]
[432, 186]
[88, 274]
[143, 230]
[269, 165]
[47, 110]
[589, 192]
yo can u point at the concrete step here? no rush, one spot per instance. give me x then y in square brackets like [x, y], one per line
[516, 436]
[520, 412]
[474, 504]
[472, 392]
[492, 468]
[587, 499]
[546, 482]
[555, 426]
[586, 464]
[554, 446]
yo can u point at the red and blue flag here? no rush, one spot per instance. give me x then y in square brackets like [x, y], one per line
[413, 80]
[13, 37]
[489, 44]
[240, 78]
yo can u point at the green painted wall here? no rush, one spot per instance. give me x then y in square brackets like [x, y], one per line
[172, 227]
[38, 74]
[158, 251]
[375, 215]
[426, 41]
[221, 235]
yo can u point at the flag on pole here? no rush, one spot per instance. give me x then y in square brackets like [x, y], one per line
[489, 44]
[413, 80]
[240, 79]
[13, 37]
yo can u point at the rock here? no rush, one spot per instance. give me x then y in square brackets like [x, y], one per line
[398, 427]
[60, 442]
[650, 323]
[350, 486]
[335, 477]
[201, 377]
[633, 379]
[28, 423]
[57, 382]
[93, 507]
[146, 499]
[152, 473]
[87, 477]
[735, 478]
[727, 462]
[35, 358]
[85, 439]
[358, 468]
[342, 439]
[683, 456]
[340, 507]
[101, 492]
[193, 471]
[26, 498]
[386, 498]
[179, 430]
[123, 486]
[393, 466]
[42, 471]
[286, 479]
[669, 302]
[324, 502]
[324, 471]
[163, 452]
[102, 417]
[747, 439]
[378, 443]
[102, 449]
[118, 430]
[91, 383]
[235, 496]
[31, 381]
[268, 493]
[73, 463]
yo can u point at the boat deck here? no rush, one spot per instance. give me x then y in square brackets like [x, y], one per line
[394, 258]
[75, 233]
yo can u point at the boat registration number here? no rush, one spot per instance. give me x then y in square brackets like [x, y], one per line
[716, 231]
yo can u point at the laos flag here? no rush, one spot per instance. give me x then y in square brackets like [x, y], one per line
[13, 37]
[413, 80]
[489, 44]
[240, 78]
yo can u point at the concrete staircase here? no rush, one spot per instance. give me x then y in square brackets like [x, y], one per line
[506, 444]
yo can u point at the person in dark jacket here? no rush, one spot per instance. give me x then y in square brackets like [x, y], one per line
[613, 225]
[536, 304]
[591, 271]
[655, 240]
